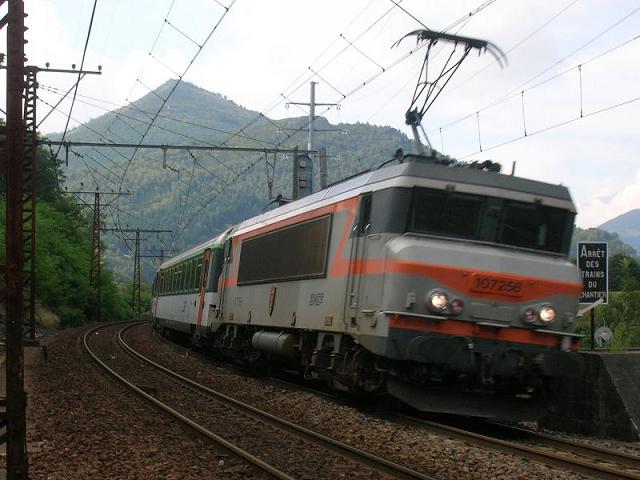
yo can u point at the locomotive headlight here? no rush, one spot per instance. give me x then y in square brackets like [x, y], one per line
[438, 300]
[547, 314]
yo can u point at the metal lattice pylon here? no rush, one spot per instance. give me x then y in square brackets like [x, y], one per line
[94, 265]
[29, 191]
[136, 275]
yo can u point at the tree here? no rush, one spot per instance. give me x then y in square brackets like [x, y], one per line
[621, 265]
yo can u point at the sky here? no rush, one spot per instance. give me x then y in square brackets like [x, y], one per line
[572, 82]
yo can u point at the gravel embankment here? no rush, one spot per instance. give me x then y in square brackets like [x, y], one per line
[412, 446]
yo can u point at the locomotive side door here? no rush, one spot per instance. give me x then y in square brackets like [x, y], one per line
[222, 289]
[357, 259]
[202, 284]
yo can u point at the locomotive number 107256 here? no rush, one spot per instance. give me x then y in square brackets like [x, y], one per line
[498, 285]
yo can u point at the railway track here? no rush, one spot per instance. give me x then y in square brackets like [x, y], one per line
[596, 462]
[299, 437]
[245, 455]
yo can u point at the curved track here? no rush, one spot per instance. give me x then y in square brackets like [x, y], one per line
[263, 466]
[597, 462]
[577, 457]
[372, 462]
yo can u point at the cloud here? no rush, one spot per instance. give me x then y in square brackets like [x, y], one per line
[263, 49]
[610, 202]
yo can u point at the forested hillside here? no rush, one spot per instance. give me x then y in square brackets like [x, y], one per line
[63, 245]
[616, 244]
[627, 226]
[197, 194]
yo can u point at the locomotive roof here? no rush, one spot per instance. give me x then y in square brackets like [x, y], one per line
[420, 174]
[408, 174]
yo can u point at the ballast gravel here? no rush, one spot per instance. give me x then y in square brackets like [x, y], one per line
[84, 425]
[409, 445]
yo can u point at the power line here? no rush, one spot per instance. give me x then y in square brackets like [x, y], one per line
[556, 125]
[187, 68]
[84, 52]
[516, 91]
[132, 106]
[517, 44]
[263, 113]
[539, 84]
[250, 165]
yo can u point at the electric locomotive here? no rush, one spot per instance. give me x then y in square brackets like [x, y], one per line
[445, 286]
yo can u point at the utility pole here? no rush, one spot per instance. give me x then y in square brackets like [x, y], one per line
[29, 180]
[95, 262]
[136, 276]
[323, 168]
[135, 293]
[312, 104]
[312, 115]
[14, 157]
[311, 145]
[20, 166]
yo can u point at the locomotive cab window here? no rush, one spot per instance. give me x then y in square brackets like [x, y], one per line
[491, 219]
[535, 226]
[446, 213]
[364, 217]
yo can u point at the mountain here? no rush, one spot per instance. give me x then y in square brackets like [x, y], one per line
[627, 226]
[197, 194]
[616, 244]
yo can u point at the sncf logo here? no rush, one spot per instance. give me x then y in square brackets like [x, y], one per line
[316, 299]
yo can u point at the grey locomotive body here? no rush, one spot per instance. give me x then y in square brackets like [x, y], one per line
[448, 288]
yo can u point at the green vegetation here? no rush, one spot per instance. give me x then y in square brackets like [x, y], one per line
[622, 314]
[63, 243]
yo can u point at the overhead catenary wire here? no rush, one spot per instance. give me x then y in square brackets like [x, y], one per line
[554, 126]
[250, 165]
[173, 89]
[140, 73]
[164, 102]
[516, 45]
[133, 107]
[263, 115]
[577, 67]
[516, 91]
[84, 53]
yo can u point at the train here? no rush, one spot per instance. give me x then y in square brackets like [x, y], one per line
[442, 285]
